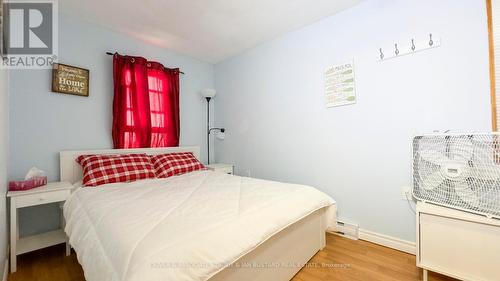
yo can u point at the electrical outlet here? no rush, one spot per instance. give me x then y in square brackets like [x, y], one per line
[405, 193]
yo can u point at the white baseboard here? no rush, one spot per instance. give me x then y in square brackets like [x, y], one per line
[387, 241]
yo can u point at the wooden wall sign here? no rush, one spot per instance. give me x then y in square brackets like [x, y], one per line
[72, 80]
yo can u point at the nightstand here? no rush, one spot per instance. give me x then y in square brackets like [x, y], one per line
[224, 168]
[50, 193]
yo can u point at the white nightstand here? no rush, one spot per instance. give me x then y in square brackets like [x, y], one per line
[50, 193]
[225, 168]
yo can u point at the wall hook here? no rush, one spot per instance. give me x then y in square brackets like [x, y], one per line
[412, 46]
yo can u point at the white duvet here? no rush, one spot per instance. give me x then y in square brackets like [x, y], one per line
[187, 227]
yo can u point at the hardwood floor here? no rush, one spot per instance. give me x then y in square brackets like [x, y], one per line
[342, 259]
[361, 260]
[48, 264]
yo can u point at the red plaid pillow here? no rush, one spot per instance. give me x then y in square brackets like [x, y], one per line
[102, 169]
[171, 164]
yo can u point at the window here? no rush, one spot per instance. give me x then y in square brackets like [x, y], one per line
[157, 98]
[130, 135]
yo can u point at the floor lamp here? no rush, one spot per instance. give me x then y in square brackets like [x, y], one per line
[208, 94]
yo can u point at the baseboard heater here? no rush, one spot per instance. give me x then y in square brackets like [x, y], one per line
[348, 230]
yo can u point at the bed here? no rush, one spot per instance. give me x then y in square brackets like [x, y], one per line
[202, 225]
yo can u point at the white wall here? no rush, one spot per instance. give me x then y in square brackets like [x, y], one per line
[4, 144]
[271, 100]
[44, 123]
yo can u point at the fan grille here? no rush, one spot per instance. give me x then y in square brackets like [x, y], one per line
[458, 171]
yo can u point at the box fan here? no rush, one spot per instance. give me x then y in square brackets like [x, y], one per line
[460, 171]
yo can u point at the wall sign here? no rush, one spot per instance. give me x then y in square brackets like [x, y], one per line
[339, 85]
[72, 80]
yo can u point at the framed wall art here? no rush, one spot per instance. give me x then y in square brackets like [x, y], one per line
[71, 80]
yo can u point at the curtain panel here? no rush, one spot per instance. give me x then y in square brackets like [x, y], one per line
[145, 103]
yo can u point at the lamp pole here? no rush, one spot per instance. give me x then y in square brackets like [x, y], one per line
[208, 129]
[208, 94]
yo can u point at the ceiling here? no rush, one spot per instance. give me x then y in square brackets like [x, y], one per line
[209, 30]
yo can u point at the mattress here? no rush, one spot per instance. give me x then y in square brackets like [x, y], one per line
[186, 227]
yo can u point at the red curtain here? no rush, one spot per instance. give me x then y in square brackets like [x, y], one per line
[145, 104]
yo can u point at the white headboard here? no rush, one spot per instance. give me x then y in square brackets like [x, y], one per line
[72, 171]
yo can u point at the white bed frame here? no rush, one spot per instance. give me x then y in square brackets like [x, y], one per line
[278, 258]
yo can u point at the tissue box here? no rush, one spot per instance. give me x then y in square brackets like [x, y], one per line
[27, 184]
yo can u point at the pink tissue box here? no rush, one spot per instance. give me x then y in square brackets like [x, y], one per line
[27, 184]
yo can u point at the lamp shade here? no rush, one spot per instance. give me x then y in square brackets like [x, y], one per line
[208, 93]
[221, 135]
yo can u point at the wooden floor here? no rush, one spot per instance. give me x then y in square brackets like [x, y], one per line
[349, 260]
[342, 259]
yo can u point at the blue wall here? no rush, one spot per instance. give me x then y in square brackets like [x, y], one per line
[44, 123]
[271, 100]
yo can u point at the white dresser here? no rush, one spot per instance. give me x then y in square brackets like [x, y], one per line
[458, 244]
[224, 168]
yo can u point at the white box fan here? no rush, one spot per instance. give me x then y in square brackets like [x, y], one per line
[458, 171]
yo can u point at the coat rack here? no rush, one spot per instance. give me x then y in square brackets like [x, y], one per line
[410, 47]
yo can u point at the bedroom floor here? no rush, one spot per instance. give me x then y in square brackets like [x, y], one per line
[355, 260]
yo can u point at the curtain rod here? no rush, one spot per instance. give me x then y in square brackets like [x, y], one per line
[112, 54]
